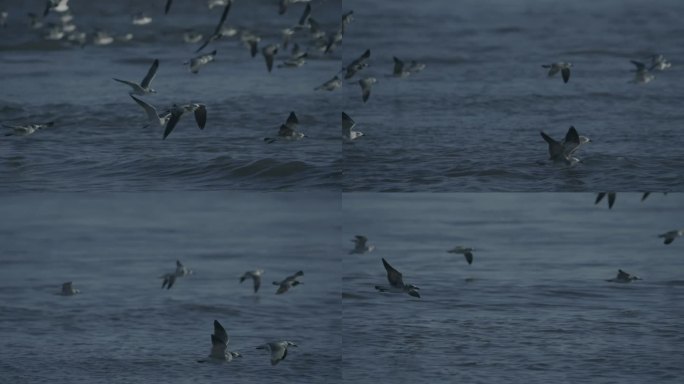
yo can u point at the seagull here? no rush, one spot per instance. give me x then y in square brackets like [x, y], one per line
[467, 252]
[346, 19]
[366, 83]
[56, 5]
[561, 151]
[347, 130]
[399, 70]
[659, 62]
[287, 131]
[217, 31]
[255, 275]
[141, 19]
[219, 344]
[361, 244]
[360, 63]
[278, 350]
[68, 289]
[25, 130]
[269, 52]
[199, 61]
[641, 75]
[564, 69]
[611, 198]
[282, 5]
[623, 277]
[330, 85]
[252, 41]
[397, 283]
[672, 235]
[170, 278]
[144, 87]
[200, 111]
[288, 282]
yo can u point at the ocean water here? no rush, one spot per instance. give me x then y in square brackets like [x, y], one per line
[533, 307]
[98, 142]
[471, 120]
[123, 328]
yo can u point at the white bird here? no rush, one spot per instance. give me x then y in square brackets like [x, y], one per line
[192, 37]
[396, 281]
[25, 130]
[145, 85]
[199, 61]
[68, 289]
[140, 19]
[330, 85]
[170, 278]
[561, 151]
[564, 69]
[348, 132]
[219, 346]
[366, 83]
[255, 276]
[57, 6]
[623, 277]
[659, 62]
[641, 75]
[670, 236]
[467, 252]
[278, 350]
[102, 38]
[269, 53]
[361, 245]
[287, 131]
[358, 64]
[288, 282]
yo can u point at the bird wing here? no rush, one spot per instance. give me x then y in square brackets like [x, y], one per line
[292, 121]
[168, 6]
[565, 72]
[218, 348]
[269, 60]
[201, 116]
[469, 257]
[555, 147]
[257, 282]
[305, 15]
[278, 352]
[572, 141]
[393, 276]
[220, 332]
[365, 89]
[175, 117]
[398, 67]
[347, 124]
[150, 74]
[151, 112]
[640, 67]
[224, 15]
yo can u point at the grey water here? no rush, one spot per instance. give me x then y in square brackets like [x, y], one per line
[533, 307]
[471, 120]
[98, 141]
[123, 328]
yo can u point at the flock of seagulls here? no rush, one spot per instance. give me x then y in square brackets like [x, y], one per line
[219, 339]
[397, 285]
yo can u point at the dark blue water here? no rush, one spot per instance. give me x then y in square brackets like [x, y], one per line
[471, 120]
[98, 142]
[123, 328]
[534, 307]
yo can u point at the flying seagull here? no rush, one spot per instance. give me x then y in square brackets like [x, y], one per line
[219, 346]
[170, 118]
[144, 87]
[671, 235]
[361, 245]
[170, 278]
[287, 131]
[467, 252]
[564, 69]
[348, 132]
[623, 277]
[396, 282]
[68, 289]
[561, 151]
[28, 129]
[366, 83]
[288, 282]
[217, 31]
[611, 198]
[403, 70]
[330, 85]
[199, 61]
[278, 350]
[254, 275]
[358, 64]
